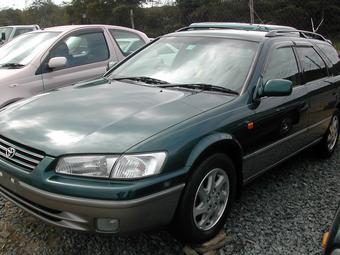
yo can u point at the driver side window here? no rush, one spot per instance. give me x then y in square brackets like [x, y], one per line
[82, 49]
[282, 65]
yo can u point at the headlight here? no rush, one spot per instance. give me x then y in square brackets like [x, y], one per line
[92, 166]
[124, 167]
[138, 166]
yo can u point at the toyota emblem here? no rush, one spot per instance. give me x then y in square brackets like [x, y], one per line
[10, 152]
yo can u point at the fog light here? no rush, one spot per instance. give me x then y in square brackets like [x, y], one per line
[108, 225]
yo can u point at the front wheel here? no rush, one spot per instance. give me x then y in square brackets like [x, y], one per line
[207, 199]
[330, 139]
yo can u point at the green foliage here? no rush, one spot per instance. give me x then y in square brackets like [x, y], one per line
[163, 19]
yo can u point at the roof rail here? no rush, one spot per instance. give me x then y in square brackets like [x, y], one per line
[301, 33]
[212, 27]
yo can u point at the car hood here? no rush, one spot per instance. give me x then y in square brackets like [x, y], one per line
[100, 117]
[8, 72]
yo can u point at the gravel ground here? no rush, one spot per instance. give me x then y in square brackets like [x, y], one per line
[285, 211]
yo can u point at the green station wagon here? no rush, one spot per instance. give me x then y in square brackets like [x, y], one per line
[172, 133]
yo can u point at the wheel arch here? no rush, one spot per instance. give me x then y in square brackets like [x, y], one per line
[219, 142]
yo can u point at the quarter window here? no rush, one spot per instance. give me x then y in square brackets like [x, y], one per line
[282, 65]
[332, 55]
[314, 67]
[128, 42]
[82, 49]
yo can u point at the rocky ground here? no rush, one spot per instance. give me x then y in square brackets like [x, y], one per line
[285, 211]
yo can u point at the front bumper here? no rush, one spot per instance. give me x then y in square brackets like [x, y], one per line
[92, 214]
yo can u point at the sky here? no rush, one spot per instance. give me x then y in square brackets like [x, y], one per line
[21, 4]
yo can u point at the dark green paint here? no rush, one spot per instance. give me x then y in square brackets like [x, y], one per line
[277, 88]
[117, 117]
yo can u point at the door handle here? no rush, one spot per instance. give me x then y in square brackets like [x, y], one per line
[304, 107]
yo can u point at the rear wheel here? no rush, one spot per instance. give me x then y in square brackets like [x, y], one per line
[207, 199]
[330, 139]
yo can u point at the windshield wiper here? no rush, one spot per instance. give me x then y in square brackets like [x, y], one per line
[202, 86]
[13, 65]
[144, 79]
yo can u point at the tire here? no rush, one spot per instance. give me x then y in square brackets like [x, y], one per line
[196, 199]
[330, 140]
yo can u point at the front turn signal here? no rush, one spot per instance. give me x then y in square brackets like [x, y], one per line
[325, 240]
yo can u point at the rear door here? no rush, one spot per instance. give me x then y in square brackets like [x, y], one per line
[87, 53]
[321, 90]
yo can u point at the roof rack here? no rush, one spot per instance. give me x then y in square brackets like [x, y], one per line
[301, 33]
[212, 27]
[234, 26]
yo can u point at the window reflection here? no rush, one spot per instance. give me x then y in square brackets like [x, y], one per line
[282, 65]
[313, 66]
[186, 60]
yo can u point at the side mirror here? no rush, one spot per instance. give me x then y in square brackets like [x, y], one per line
[277, 88]
[110, 65]
[3, 36]
[57, 62]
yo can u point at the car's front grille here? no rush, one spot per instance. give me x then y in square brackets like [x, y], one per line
[19, 155]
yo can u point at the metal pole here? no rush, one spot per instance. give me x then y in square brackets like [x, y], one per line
[251, 10]
[132, 19]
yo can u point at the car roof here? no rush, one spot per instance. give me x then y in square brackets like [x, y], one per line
[242, 26]
[73, 27]
[209, 29]
[256, 36]
[21, 26]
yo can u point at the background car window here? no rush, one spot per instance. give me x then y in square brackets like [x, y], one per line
[313, 66]
[282, 65]
[7, 31]
[20, 31]
[128, 42]
[82, 49]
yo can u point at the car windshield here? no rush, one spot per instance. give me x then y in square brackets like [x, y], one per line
[24, 48]
[220, 62]
[7, 31]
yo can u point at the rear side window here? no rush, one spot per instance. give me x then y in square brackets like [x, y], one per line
[127, 41]
[332, 55]
[282, 65]
[313, 66]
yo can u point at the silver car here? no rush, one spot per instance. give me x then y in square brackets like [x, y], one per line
[59, 56]
[8, 33]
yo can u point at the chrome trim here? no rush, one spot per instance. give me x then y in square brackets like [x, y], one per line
[21, 149]
[15, 161]
[19, 155]
[22, 157]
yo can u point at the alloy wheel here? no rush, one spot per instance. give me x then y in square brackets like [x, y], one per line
[211, 199]
[333, 133]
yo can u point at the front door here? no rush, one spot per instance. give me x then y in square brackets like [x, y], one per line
[279, 123]
[87, 57]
